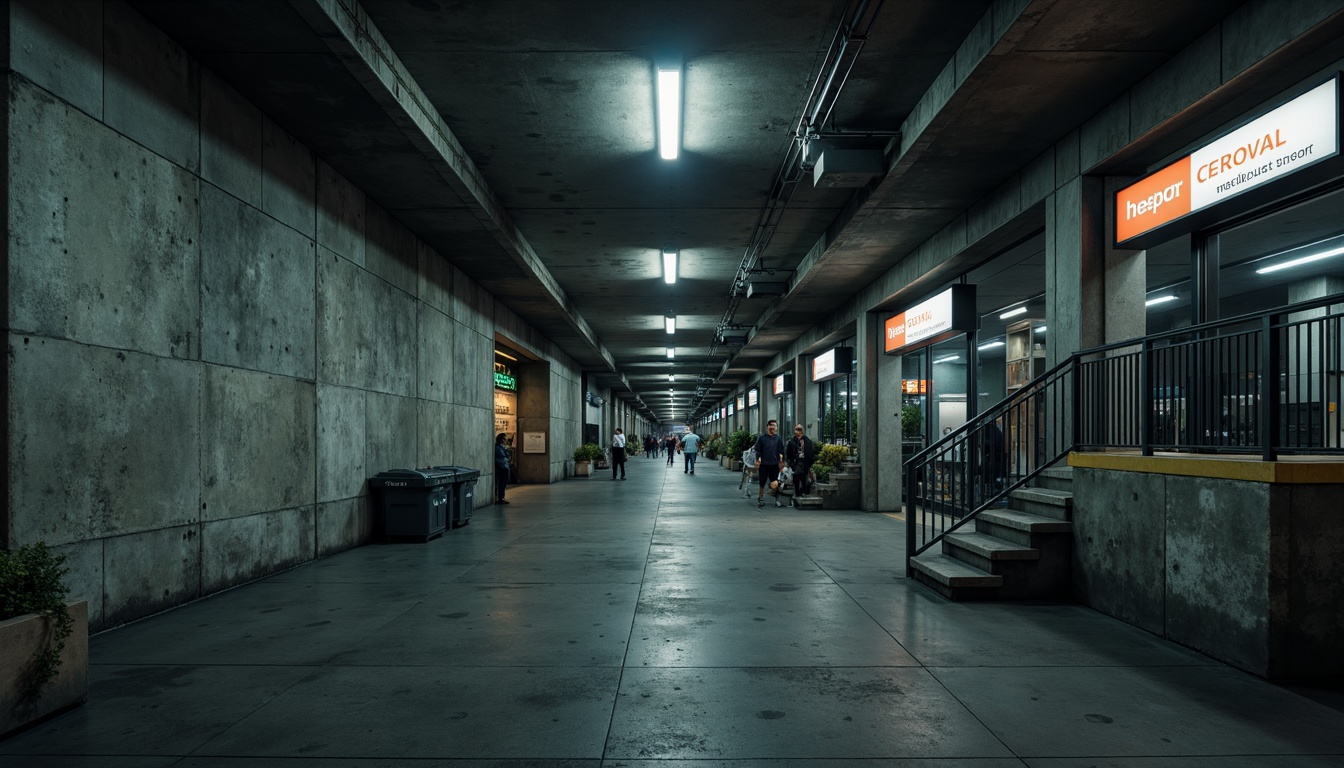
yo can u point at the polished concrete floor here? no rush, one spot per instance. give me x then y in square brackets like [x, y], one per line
[663, 621]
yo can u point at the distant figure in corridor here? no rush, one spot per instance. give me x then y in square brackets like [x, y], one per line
[670, 445]
[618, 454]
[690, 445]
[501, 468]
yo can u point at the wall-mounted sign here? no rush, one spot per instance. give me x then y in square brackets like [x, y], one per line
[929, 322]
[506, 382]
[782, 384]
[753, 397]
[741, 402]
[915, 386]
[832, 364]
[534, 442]
[723, 412]
[1297, 135]
[730, 409]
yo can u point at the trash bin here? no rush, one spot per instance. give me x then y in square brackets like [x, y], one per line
[464, 485]
[414, 503]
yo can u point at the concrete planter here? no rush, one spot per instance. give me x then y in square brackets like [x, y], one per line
[20, 638]
[583, 468]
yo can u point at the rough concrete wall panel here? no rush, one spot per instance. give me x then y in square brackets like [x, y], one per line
[241, 549]
[230, 140]
[343, 524]
[466, 384]
[258, 290]
[476, 443]
[439, 434]
[1119, 545]
[390, 250]
[436, 280]
[1038, 178]
[84, 559]
[1193, 73]
[1218, 562]
[1314, 623]
[394, 333]
[345, 342]
[1105, 134]
[435, 359]
[128, 281]
[151, 90]
[150, 572]
[289, 179]
[1067, 159]
[112, 449]
[340, 214]
[59, 46]
[257, 448]
[473, 306]
[1261, 27]
[392, 434]
[341, 442]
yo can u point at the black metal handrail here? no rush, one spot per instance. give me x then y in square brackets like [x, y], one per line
[1269, 383]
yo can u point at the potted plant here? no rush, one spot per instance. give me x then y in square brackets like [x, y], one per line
[44, 640]
[584, 456]
[739, 441]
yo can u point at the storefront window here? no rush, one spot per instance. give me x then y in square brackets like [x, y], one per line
[839, 401]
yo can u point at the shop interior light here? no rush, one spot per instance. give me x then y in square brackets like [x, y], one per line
[947, 359]
[990, 345]
[669, 266]
[1014, 312]
[1300, 261]
[506, 356]
[670, 322]
[669, 113]
[1159, 300]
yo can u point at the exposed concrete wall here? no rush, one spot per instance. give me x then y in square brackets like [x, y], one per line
[214, 339]
[1249, 573]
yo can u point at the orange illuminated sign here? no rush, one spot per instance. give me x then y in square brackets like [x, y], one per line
[915, 386]
[1158, 199]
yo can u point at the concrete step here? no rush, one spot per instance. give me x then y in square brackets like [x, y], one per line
[809, 502]
[1021, 528]
[954, 579]
[1055, 479]
[1057, 505]
[984, 547]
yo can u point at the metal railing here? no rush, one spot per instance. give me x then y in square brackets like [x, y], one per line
[1268, 384]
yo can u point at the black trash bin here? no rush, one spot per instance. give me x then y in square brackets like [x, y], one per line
[414, 503]
[464, 485]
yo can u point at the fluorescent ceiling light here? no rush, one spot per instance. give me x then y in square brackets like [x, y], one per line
[670, 323]
[1041, 329]
[669, 266]
[1300, 260]
[1159, 300]
[990, 345]
[671, 377]
[947, 359]
[1022, 310]
[671, 352]
[669, 113]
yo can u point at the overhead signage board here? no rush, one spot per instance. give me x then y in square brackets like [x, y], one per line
[782, 384]
[723, 412]
[753, 397]
[741, 402]
[929, 322]
[832, 364]
[915, 386]
[1279, 143]
[730, 409]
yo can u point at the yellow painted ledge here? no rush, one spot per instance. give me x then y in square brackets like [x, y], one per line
[1297, 470]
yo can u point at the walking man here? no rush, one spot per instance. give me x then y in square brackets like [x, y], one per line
[670, 444]
[799, 455]
[690, 445]
[618, 454]
[769, 461]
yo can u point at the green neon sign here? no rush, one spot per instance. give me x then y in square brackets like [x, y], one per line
[506, 382]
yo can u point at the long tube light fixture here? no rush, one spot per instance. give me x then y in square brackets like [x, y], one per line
[1014, 312]
[669, 113]
[990, 345]
[1300, 260]
[1159, 300]
[669, 266]
[670, 322]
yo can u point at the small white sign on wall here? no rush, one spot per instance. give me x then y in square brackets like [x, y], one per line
[534, 442]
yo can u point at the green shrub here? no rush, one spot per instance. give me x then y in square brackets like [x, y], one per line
[739, 441]
[831, 455]
[823, 472]
[589, 452]
[32, 581]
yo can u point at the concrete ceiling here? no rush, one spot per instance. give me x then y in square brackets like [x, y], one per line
[532, 166]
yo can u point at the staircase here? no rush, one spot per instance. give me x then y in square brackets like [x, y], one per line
[1023, 552]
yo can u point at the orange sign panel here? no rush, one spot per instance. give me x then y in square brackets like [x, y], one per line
[1158, 199]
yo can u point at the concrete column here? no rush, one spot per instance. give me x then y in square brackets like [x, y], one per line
[1075, 260]
[884, 421]
[802, 410]
[873, 462]
[534, 415]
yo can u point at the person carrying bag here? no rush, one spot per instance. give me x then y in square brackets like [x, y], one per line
[799, 454]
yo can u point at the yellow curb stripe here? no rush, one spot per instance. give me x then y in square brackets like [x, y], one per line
[1309, 471]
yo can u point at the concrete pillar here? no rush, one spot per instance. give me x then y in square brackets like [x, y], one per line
[873, 462]
[1075, 260]
[534, 415]
[884, 421]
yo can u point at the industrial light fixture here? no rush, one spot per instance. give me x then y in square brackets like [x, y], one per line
[1041, 329]
[990, 345]
[506, 356]
[1160, 300]
[669, 266]
[671, 377]
[670, 322]
[669, 113]
[671, 352]
[947, 359]
[1300, 260]
[1014, 312]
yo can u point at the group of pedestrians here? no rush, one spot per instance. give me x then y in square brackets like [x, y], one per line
[773, 455]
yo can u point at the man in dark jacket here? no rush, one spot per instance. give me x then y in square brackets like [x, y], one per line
[799, 455]
[769, 461]
[501, 468]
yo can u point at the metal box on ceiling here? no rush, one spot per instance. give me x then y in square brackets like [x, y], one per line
[846, 167]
